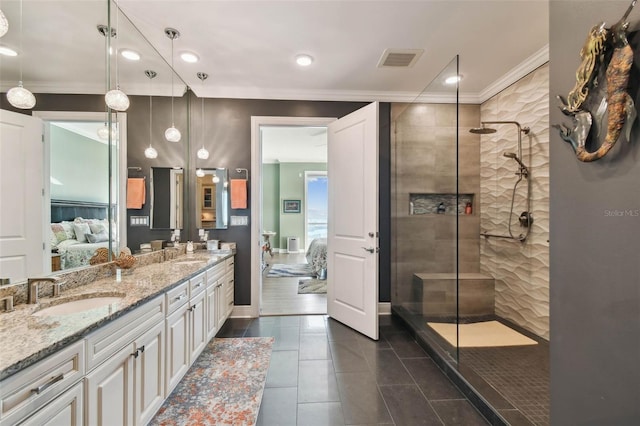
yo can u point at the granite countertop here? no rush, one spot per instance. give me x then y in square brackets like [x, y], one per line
[28, 338]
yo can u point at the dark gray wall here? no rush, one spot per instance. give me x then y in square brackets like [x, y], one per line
[594, 249]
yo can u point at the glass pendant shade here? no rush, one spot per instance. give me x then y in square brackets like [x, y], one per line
[172, 134]
[200, 173]
[117, 100]
[103, 132]
[215, 179]
[20, 97]
[151, 152]
[4, 24]
[203, 154]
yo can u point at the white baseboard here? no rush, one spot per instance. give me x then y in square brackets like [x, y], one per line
[384, 308]
[243, 311]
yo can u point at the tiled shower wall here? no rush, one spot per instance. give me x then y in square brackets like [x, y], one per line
[521, 270]
[423, 149]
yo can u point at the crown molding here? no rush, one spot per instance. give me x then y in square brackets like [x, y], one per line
[527, 66]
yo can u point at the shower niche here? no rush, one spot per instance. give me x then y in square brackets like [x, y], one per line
[439, 203]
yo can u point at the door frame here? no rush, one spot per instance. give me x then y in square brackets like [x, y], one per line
[256, 196]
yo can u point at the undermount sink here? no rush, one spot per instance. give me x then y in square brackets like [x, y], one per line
[76, 306]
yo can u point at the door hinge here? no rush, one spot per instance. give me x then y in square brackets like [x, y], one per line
[43, 192]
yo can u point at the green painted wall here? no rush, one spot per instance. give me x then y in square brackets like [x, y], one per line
[292, 188]
[80, 164]
[271, 200]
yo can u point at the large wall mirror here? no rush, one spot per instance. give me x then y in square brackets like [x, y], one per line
[73, 81]
[167, 198]
[212, 198]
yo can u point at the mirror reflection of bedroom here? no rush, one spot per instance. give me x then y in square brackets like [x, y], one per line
[294, 220]
[78, 195]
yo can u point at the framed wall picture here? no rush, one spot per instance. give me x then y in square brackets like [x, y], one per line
[290, 206]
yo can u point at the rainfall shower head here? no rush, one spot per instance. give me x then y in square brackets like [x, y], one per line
[482, 130]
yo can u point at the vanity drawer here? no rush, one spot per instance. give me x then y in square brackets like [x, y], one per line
[177, 297]
[215, 273]
[27, 391]
[197, 284]
[108, 340]
[230, 262]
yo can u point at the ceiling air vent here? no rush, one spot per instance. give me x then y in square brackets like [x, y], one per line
[399, 57]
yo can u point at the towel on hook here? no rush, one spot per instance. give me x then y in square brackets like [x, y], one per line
[238, 193]
[136, 193]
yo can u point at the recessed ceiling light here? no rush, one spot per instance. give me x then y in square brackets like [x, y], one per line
[304, 60]
[7, 51]
[131, 55]
[453, 79]
[189, 57]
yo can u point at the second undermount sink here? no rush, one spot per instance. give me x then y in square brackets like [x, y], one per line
[76, 306]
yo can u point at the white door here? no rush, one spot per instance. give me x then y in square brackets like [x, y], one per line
[352, 243]
[21, 197]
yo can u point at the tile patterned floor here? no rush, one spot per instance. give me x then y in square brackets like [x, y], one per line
[323, 373]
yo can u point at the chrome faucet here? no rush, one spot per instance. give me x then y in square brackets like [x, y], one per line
[32, 285]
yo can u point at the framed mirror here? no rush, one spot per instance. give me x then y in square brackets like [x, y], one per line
[167, 197]
[212, 198]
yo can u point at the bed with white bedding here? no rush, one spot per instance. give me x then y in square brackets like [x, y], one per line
[78, 229]
[317, 255]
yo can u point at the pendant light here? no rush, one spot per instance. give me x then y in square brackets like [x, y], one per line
[200, 172]
[116, 99]
[4, 24]
[150, 152]
[203, 154]
[172, 134]
[18, 96]
[103, 132]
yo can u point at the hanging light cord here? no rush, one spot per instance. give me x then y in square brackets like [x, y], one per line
[117, 42]
[173, 124]
[21, 51]
[150, 118]
[202, 99]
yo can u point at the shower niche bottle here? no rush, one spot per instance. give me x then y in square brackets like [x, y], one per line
[468, 209]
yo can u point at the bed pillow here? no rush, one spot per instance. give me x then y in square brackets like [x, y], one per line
[59, 232]
[97, 228]
[53, 240]
[97, 238]
[81, 229]
[68, 229]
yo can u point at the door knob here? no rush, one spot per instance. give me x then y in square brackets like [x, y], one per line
[370, 249]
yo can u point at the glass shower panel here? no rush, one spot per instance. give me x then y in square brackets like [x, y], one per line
[427, 210]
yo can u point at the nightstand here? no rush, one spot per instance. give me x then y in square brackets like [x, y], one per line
[55, 262]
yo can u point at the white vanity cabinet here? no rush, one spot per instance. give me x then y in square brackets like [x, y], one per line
[198, 318]
[177, 323]
[128, 387]
[215, 276]
[230, 286]
[33, 389]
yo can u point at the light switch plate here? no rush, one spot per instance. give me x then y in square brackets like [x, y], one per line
[139, 221]
[239, 220]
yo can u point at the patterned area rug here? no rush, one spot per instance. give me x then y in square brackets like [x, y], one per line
[312, 286]
[279, 270]
[223, 387]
